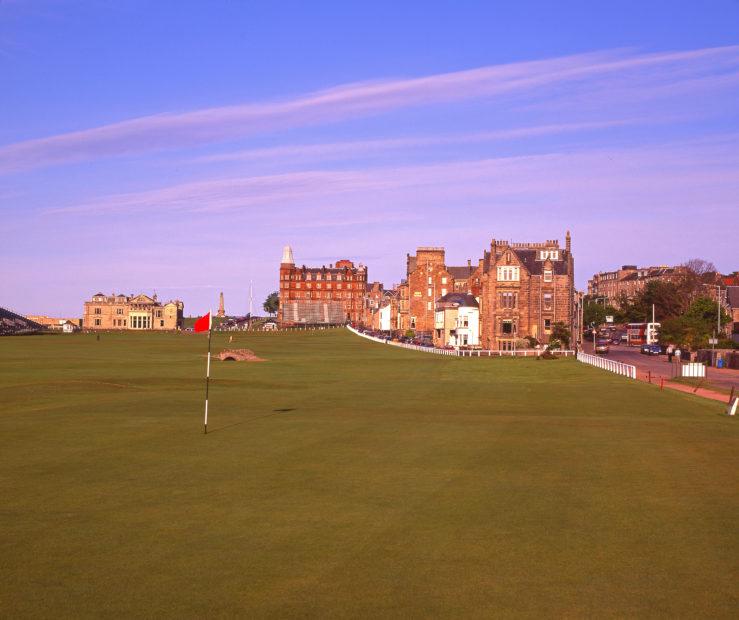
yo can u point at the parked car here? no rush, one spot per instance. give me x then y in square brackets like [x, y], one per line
[651, 349]
[601, 346]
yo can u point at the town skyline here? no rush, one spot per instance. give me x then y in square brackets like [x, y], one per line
[139, 169]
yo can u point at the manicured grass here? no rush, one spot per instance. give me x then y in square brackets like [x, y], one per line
[348, 478]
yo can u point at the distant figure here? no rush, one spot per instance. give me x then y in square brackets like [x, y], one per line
[678, 354]
[670, 352]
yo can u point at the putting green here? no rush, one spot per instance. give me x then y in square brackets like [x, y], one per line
[347, 478]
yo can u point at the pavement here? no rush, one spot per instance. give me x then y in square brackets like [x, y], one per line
[662, 372]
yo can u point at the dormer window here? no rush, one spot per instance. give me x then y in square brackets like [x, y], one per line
[547, 275]
[550, 254]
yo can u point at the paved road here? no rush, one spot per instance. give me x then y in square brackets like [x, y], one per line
[660, 367]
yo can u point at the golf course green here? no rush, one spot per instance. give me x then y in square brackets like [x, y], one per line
[345, 478]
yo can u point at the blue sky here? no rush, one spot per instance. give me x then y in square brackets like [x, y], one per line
[177, 146]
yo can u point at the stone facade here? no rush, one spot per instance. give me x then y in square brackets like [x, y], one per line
[628, 281]
[427, 279]
[320, 295]
[131, 312]
[526, 289]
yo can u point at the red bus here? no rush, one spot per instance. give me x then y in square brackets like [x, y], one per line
[638, 334]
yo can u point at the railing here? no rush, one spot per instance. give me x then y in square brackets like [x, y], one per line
[693, 369]
[458, 353]
[627, 370]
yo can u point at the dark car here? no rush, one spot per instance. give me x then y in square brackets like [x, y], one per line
[651, 349]
[601, 346]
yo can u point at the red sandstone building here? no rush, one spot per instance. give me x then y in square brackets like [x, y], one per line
[322, 295]
[523, 290]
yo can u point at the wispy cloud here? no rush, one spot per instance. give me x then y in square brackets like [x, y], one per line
[173, 130]
[330, 150]
[677, 174]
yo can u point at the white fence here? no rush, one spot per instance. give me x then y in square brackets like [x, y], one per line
[694, 369]
[627, 370]
[456, 353]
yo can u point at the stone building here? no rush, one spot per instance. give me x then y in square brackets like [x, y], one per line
[522, 289]
[322, 295]
[131, 312]
[526, 289]
[372, 301]
[628, 281]
[427, 279]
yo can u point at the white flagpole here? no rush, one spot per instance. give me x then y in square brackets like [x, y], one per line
[207, 372]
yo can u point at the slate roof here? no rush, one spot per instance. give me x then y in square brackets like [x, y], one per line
[460, 273]
[459, 299]
[536, 267]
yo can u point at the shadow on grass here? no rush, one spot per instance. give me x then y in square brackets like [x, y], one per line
[259, 417]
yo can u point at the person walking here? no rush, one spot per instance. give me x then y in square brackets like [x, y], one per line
[670, 351]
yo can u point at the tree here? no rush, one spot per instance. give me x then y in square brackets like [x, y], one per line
[706, 310]
[561, 333]
[595, 313]
[667, 297]
[695, 326]
[272, 303]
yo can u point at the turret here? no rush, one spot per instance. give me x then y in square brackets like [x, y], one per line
[287, 256]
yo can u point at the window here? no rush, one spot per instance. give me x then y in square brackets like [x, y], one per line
[430, 280]
[338, 277]
[338, 286]
[547, 325]
[297, 285]
[428, 305]
[507, 327]
[550, 254]
[319, 284]
[443, 292]
[119, 311]
[508, 299]
[159, 313]
[547, 275]
[318, 276]
[161, 323]
[547, 301]
[97, 321]
[328, 276]
[98, 311]
[509, 274]
[308, 276]
[443, 280]
[429, 293]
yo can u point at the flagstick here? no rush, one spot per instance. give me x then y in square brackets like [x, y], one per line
[207, 376]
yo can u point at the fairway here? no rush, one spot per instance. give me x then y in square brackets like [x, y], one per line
[347, 478]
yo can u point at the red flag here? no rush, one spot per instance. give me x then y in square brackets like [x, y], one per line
[203, 323]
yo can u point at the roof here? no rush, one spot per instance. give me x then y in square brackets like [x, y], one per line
[460, 273]
[459, 299]
[536, 267]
